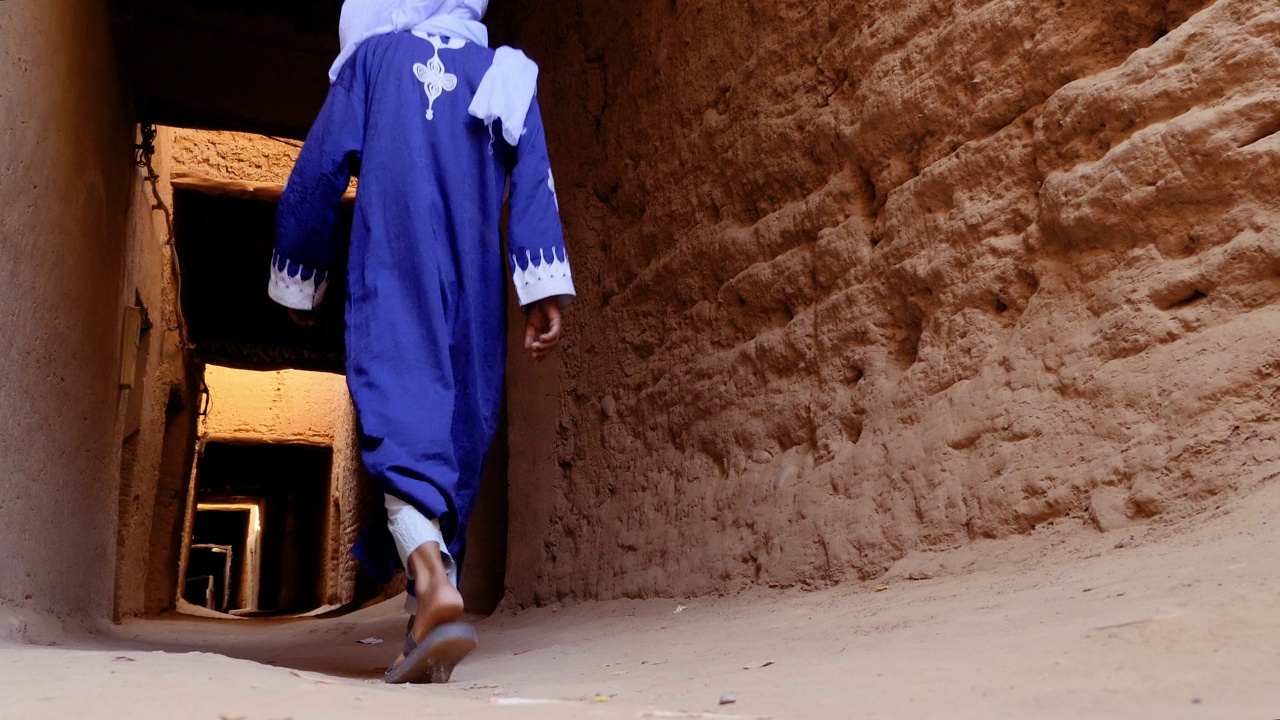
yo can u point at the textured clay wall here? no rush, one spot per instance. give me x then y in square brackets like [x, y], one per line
[286, 405]
[157, 420]
[234, 156]
[74, 205]
[859, 278]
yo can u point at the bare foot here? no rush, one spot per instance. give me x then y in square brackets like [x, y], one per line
[439, 602]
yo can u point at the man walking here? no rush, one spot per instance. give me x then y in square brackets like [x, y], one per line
[439, 128]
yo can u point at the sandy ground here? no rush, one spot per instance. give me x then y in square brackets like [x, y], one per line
[1171, 621]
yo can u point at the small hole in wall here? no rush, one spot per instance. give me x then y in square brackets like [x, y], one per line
[1188, 300]
[853, 375]
[1001, 307]
[874, 241]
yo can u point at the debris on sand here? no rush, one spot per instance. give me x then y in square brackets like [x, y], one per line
[684, 715]
[312, 678]
[510, 701]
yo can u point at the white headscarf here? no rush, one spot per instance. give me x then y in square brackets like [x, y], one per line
[363, 19]
[505, 93]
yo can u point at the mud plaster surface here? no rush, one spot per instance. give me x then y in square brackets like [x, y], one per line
[157, 416]
[287, 404]
[861, 278]
[1164, 621]
[78, 242]
[235, 156]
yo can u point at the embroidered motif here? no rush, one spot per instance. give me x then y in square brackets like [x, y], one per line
[551, 183]
[435, 80]
[542, 277]
[540, 271]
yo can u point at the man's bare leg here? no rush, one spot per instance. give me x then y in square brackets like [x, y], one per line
[439, 602]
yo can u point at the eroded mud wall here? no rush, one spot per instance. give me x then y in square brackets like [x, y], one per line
[230, 156]
[74, 205]
[158, 412]
[864, 277]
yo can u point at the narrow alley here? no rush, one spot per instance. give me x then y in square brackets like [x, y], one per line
[922, 364]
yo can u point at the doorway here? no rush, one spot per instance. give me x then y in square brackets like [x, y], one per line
[258, 541]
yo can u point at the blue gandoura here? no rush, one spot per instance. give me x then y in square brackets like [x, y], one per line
[434, 123]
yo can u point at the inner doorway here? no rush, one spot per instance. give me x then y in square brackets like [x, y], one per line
[224, 565]
[258, 540]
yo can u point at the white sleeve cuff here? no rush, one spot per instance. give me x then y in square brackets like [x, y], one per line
[292, 291]
[542, 280]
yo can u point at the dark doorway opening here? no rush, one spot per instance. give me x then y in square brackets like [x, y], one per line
[224, 246]
[216, 566]
[259, 533]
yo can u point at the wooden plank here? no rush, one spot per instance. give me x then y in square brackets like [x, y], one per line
[185, 179]
[130, 338]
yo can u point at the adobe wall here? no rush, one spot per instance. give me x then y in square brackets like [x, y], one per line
[287, 405]
[862, 278]
[310, 408]
[157, 420]
[160, 420]
[234, 156]
[77, 211]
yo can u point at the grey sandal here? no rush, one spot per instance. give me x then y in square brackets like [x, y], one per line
[433, 659]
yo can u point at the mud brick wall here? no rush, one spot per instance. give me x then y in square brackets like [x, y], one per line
[858, 278]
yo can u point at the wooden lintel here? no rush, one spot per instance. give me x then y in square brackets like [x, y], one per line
[184, 179]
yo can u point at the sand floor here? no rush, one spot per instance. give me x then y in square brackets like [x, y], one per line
[1170, 621]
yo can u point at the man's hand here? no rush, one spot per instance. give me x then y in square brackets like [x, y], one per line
[542, 328]
[305, 318]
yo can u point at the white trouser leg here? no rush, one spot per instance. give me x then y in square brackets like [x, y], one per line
[411, 530]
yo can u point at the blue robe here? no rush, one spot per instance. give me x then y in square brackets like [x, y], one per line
[426, 305]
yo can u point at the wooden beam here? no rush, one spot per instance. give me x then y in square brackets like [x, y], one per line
[185, 179]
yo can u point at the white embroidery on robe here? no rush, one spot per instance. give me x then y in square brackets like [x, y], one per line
[540, 270]
[291, 290]
[544, 277]
[551, 183]
[435, 80]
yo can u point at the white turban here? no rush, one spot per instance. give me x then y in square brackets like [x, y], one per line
[363, 19]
